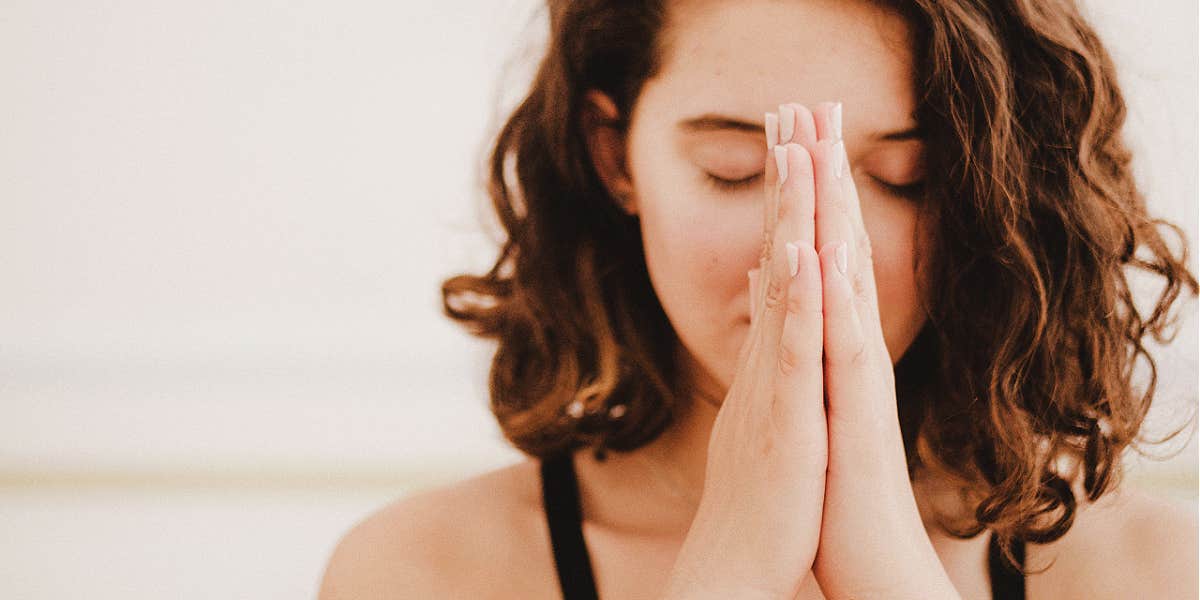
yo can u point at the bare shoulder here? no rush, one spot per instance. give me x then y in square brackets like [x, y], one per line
[1129, 544]
[480, 537]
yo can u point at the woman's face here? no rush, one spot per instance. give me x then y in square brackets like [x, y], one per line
[701, 117]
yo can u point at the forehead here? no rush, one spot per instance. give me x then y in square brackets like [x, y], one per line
[744, 57]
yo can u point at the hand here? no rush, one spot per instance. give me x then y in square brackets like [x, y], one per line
[756, 530]
[873, 543]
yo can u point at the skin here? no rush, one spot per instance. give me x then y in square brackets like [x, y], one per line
[486, 537]
[697, 249]
[701, 241]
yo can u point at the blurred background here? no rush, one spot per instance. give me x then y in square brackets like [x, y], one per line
[223, 226]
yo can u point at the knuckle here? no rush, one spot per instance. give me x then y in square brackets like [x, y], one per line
[776, 294]
[852, 352]
[802, 302]
[864, 247]
[766, 248]
[860, 357]
[862, 293]
[789, 360]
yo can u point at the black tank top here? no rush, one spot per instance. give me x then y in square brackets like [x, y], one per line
[560, 498]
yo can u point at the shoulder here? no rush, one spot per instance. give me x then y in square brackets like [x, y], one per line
[458, 540]
[1130, 544]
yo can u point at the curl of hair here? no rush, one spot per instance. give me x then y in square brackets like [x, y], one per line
[569, 297]
[1028, 354]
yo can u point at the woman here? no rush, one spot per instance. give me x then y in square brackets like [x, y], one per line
[872, 347]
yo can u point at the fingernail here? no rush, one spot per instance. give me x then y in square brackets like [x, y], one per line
[772, 127]
[793, 258]
[835, 115]
[839, 254]
[839, 156]
[787, 123]
[781, 163]
[845, 162]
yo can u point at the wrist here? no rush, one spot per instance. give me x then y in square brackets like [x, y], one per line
[921, 578]
[694, 578]
[932, 590]
[712, 589]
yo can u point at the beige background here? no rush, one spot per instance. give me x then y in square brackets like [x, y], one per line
[222, 229]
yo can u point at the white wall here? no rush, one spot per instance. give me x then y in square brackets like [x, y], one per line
[222, 229]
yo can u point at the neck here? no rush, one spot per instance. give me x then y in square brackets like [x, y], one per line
[656, 488]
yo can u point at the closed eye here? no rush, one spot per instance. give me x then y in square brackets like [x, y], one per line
[911, 191]
[723, 184]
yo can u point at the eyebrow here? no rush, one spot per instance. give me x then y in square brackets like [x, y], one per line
[713, 122]
[717, 122]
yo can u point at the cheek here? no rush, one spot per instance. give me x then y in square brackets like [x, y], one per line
[697, 252]
[697, 257]
[698, 246]
[892, 227]
[698, 243]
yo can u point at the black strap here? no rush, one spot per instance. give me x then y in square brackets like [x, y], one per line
[560, 497]
[1007, 582]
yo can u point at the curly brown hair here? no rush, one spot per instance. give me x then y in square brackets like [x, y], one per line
[1027, 357]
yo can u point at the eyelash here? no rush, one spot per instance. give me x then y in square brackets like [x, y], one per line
[730, 184]
[910, 191]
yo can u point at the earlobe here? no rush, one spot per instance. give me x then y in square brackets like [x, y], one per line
[605, 136]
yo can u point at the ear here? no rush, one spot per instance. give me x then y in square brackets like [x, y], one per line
[605, 136]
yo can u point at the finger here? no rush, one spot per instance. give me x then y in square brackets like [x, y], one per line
[787, 123]
[804, 129]
[796, 219]
[832, 225]
[748, 342]
[846, 354]
[828, 119]
[774, 272]
[795, 227]
[771, 129]
[864, 277]
[770, 199]
[797, 198]
[771, 126]
[798, 397]
[764, 333]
